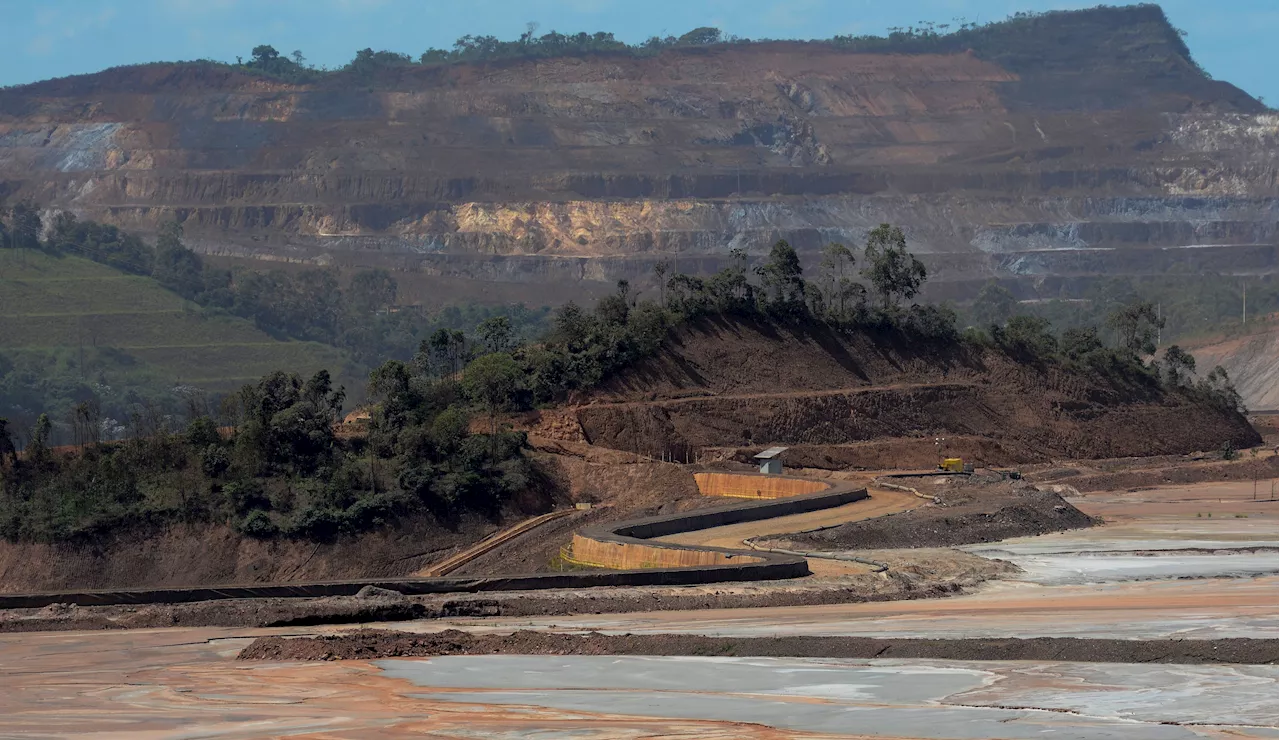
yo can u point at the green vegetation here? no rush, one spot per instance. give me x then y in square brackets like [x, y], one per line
[1190, 305]
[584, 348]
[72, 331]
[96, 313]
[1016, 42]
[282, 472]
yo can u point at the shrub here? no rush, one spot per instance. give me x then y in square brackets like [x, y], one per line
[258, 524]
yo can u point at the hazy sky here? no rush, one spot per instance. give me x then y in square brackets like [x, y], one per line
[1235, 40]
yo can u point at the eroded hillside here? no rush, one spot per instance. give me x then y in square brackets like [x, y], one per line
[725, 383]
[1251, 359]
[1073, 143]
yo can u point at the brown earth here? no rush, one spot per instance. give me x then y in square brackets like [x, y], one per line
[574, 172]
[966, 513]
[376, 644]
[732, 382]
[1138, 473]
[205, 554]
[899, 454]
[912, 575]
[617, 485]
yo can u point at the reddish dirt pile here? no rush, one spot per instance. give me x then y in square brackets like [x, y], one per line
[375, 644]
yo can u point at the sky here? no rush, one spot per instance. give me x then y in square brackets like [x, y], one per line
[1234, 40]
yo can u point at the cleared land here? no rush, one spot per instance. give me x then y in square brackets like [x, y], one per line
[50, 303]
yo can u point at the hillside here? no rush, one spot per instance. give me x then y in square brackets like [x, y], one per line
[1071, 144]
[740, 383]
[66, 323]
[1252, 360]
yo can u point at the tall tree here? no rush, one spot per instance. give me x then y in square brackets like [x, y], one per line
[492, 381]
[614, 309]
[8, 450]
[1136, 325]
[661, 269]
[838, 289]
[25, 226]
[1179, 366]
[895, 274]
[176, 267]
[495, 332]
[780, 277]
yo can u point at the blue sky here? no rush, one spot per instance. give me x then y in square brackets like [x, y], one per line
[1235, 40]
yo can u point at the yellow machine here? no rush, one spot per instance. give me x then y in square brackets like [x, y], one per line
[952, 465]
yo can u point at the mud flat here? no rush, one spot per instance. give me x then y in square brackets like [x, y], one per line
[916, 699]
[185, 682]
[1148, 610]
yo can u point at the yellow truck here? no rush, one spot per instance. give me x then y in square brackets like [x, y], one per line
[952, 465]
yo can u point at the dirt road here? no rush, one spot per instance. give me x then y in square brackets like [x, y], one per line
[878, 503]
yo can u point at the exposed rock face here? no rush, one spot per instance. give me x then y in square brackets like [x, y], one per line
[1085, 130]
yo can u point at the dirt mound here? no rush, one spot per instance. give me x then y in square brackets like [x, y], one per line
[963, 516]
[376, 644]
[731, 382]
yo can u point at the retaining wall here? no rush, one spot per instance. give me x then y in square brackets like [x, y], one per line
[723, 565]
[744, 485]
[627, 545]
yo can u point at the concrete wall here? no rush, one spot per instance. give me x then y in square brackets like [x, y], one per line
[629, 555]
[753, 485]
[623, 545]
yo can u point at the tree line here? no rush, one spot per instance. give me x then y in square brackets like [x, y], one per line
[873, 292]
[361, 317]
[278, 468]
[275, 468]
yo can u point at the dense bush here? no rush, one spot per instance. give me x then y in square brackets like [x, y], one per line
[280, 470]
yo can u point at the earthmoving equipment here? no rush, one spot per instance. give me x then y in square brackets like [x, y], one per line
[952, 465]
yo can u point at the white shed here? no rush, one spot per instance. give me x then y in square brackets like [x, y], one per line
[771, 460]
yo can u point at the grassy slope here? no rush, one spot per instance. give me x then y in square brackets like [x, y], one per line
[50, 303]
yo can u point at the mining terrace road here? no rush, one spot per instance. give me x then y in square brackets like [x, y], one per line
[781, 394]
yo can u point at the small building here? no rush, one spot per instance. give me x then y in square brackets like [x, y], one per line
[771, 460]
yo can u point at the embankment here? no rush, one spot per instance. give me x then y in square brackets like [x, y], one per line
[626, 545]
[619, 545]
[374, 644]
[733, 382]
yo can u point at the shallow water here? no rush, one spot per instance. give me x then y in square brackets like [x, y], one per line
[897, 698]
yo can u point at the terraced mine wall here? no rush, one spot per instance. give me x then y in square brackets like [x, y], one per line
[625, 539]
[1076, 143]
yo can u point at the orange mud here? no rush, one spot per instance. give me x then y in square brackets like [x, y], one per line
[172, 683]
